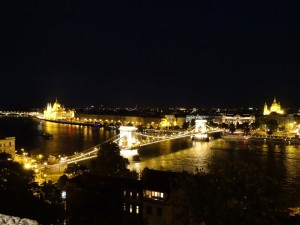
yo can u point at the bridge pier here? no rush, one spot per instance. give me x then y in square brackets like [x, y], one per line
[200, 126]
[128, 138]
[200, 130]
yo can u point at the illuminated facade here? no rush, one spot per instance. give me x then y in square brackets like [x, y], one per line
[168, 121]
[275, 107]
[228, 119]
[58, 112]
[7, 145]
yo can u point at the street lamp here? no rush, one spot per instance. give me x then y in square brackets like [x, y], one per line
[64, 198]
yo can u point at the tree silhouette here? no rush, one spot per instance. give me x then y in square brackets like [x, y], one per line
[75, 169]
[232, 128]
[50, 193]
[272, 125]
[255, 125]
[19, 194]
[109, 162]
[235, 194]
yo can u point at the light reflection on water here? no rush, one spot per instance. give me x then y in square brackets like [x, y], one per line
[193, 156]
[67, 139]
[282, 162]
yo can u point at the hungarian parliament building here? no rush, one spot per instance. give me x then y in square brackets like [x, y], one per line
[58, 112]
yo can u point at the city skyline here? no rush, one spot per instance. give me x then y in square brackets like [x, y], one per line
[149, 54]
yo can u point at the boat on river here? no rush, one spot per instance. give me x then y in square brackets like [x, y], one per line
[279, 139]
[46, 135]
[234, 137]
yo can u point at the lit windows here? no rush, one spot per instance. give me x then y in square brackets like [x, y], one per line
[148, 193]
[154, 194]
[137, 209]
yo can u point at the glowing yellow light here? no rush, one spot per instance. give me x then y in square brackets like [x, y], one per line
[27, 166]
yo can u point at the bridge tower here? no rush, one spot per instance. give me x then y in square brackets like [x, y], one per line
[200, 126]
[127, 137]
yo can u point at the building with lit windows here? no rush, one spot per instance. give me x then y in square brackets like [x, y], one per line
[58, 112]
[154, 198]
[237, 119]
[7, 145]
[288, 121]
[133, 201]
[160, 194]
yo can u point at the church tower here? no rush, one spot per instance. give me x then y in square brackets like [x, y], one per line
[266, 110]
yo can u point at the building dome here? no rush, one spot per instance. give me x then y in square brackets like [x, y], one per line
[56, 105]
[275, 108]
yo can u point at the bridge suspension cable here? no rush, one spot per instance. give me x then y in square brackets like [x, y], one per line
[91, 152]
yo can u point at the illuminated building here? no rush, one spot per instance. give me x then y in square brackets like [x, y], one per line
[58, 112]
[168, 121]
[275, 108]
[154, 198]
[287, 121]
[228, 119]
[7, 145]
[160, 197]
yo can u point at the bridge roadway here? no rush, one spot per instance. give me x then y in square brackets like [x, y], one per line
[17, 113]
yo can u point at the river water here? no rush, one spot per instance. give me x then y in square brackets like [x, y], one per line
[281, 161]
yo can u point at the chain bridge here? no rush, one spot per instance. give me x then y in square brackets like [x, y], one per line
[130, 140]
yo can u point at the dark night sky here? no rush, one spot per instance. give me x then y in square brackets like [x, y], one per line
[188, 53]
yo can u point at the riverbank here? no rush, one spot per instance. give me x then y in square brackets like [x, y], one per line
[80, 123]
[261, 138]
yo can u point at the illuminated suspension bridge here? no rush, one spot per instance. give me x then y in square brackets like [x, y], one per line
[129, 140]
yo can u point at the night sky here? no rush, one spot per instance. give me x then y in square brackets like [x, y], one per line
[149, 53]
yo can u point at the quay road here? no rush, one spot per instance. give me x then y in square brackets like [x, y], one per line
[33, 164]
[43, 172]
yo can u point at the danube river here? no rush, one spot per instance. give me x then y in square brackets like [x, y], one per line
[279, 160]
